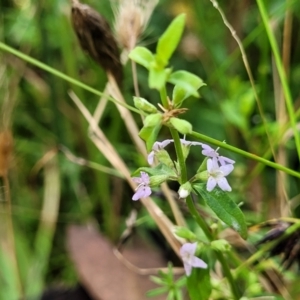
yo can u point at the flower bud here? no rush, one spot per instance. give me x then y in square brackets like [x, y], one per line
[185, 233]
[144, 105]
[185, 190]
[220, 245]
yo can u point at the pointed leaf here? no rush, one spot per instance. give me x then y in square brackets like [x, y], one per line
[182, 126]
[188, 81]
[149, 135]
[224, 207]
[169, 41]
[142, 56]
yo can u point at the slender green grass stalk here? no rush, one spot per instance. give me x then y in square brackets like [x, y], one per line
[245, 154]
[281, 72]
[61, 75]
[46, 229]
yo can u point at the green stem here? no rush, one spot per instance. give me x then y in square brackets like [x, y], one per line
[199, 220]
[244, 153]
[179, 154]
[281, 72]
[61, 75]
[164, 97]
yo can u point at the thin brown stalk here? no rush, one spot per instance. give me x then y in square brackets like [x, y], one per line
[102, 143]
[126, 116]
[143, 271]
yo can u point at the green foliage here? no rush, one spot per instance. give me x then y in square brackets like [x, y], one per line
[224, 208]
[187, 81]
[169, 285]
[198, 284]
[169, 41]
[182, 126]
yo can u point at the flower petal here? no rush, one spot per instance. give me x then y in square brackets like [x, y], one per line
[150, 158]
[145, 178]
[189, 248]
[225, 160]
[223, 184]
[198, 263]
[137, 180]
[226, 169]
[142, 192]
[160, 145]
[188, 269]
[211, 183]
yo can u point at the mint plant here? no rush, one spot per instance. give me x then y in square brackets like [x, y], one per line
[210, 182]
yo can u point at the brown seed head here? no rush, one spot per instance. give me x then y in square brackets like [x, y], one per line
[96, 38]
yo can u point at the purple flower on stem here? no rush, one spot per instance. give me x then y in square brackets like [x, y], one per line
[210, 152]
[143, 190]
[156, 147]
[187, 253]
[217, 175]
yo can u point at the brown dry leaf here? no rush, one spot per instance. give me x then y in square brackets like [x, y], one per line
[102, 274]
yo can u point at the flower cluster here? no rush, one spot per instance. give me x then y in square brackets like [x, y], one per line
[218, 167]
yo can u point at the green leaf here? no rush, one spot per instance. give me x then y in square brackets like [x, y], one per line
[164, 157]
[187, 81]
[159, 170]
[149, 135]
[153, 120]
[222, 205]
[158, 77]
[169, 40]
[157, 291]
[198, 284]
[179, 95]
[182, 126]
[142, 56]
[144, 105]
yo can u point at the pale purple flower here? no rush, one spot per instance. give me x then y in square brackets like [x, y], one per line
[210, 152]
[187, 253]
[143, 190]
[217, 175]
[156, 147]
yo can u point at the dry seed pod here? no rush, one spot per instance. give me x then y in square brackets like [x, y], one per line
[96, 38]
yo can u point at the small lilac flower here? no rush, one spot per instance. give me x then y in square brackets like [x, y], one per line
[156, 147]
[217, 175]
[143, 190]
[187, 253]
[210, 152]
